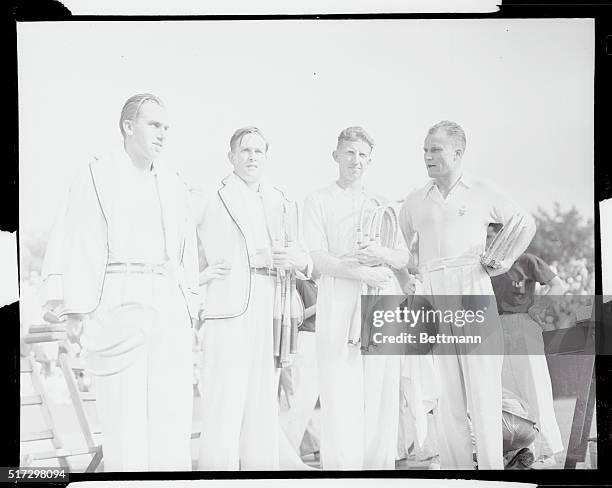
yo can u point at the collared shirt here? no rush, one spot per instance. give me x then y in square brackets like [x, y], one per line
[331, 219]
[136, 230]
[256, 226]
[456, 225]
[515, 289]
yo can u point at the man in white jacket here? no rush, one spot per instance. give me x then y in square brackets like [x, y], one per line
[123, 272]
[240, 232]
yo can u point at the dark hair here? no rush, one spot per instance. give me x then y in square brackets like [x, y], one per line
[132, 106]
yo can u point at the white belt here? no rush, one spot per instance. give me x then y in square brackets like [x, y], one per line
[450, 262]
[138, 268]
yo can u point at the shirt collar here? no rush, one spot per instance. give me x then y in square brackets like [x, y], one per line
[127, 164]
[338, 189]
[465, 180]
[235, 179]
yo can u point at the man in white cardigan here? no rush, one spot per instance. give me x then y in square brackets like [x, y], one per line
[240, 234]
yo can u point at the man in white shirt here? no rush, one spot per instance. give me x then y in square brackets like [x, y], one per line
[240, 227]
[450, 216]
[124, 268]
[359, 395]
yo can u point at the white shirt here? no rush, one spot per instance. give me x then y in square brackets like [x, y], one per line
[136, 232]
[331, 218]
[256, 226]
[456, 225]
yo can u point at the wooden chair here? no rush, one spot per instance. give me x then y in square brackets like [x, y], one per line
[72, 367]
[579, 341]
[40, 400]
[45, 333]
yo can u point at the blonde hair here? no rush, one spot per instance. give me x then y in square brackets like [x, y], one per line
[356, 133]
[240, 133]
[453, 130]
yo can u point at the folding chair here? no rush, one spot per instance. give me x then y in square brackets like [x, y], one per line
[41, 334]
[39, 400]
[72, 366]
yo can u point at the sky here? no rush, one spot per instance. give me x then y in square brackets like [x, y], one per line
[521, 88]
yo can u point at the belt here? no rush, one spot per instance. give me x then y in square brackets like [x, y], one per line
[451, 262]
[139, 268]
[264, 271]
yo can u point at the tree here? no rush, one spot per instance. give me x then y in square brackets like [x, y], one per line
[563, 237]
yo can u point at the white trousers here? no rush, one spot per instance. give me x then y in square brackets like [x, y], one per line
[359, 395]
[240, 426]
[381, 399]
[305, 383]
[419, 392]
[527, 376]
[469, 382]
[145, 410]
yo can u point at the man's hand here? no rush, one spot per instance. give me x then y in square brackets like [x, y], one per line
[503, 269]
[536, 312]
[289, 258]
[74, 326]
[411, 285]
[377, 277]
[262, 258]
[216, 271]
[371, 254]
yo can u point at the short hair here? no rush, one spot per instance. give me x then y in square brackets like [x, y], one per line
[132, 106]
[453, 130]
[356, 133]
[236, 138]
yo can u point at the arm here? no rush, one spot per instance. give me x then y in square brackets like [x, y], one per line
[406, 275]
[327, 264]
[519, 248]
[557, 287]
[502, 209]
[373, 255]
[71, 255]
[295, 256]
[539, 271]
[190, 258]
[336, 267]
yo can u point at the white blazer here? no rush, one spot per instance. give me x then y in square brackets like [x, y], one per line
[223, 235]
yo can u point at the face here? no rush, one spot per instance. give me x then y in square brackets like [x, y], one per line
[491, 233]
[353, 157]
[148, 132]
[249, 157]
[441, 156]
